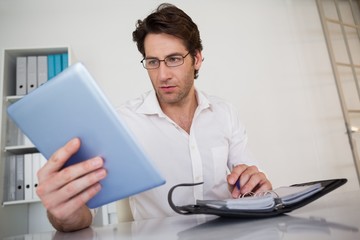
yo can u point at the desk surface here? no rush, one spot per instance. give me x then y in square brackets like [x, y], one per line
[334, 216]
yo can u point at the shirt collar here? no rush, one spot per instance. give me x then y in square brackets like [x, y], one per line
[151, 105]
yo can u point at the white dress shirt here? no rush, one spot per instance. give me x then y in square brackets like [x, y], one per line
[217, 141]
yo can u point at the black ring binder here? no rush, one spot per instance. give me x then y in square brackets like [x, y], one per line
[279, 209]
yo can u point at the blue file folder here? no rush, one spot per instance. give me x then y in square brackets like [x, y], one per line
[72, 105]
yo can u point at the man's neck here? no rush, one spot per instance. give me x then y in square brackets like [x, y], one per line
[182, 113]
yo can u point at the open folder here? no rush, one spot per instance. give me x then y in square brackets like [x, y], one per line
[72, 105]
[267, 204]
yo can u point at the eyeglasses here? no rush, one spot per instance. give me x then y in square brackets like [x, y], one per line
[170, 61]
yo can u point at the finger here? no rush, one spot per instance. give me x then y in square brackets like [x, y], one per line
[236, 173]
[72, 189]
[255, 183]
[231, 187]
[69, 174]
[59, 158]
[241, 175]
[66, 209]
[263, 186]
[75, 171]
[234, 181]
[235, 192]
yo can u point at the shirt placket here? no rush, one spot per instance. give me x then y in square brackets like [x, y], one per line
[196, 166]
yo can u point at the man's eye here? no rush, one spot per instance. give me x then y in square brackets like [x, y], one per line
[152, 62]
[174, 59]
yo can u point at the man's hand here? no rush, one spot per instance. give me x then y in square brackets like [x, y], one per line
[250, 180]
[65, 191]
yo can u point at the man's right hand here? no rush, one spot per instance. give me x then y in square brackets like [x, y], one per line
[65, 191]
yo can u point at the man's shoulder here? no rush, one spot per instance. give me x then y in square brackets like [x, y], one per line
[135, 103]
[217, 101]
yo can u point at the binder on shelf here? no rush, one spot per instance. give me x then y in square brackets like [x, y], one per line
[35, 169]
[43, 160]
[27, 141]
[57, 64]
[6, 187]
[22, 139]
[51, 66]
[64, 61]
[28, 176]
[11, 178]
[12, 133]
[21, 68]
[42, 69]
[19, 190]
[31, 73]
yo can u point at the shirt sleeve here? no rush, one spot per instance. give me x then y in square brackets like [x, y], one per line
[239, 152]
[93, 212]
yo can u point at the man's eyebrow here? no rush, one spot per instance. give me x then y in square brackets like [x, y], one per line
[169, 55]
[151, 57]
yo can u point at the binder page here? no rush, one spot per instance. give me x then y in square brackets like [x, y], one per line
[264, 202]
[294, 194]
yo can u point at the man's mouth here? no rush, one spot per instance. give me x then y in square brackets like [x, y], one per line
[167, 88]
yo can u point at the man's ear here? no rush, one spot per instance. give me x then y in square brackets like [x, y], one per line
[198, 60]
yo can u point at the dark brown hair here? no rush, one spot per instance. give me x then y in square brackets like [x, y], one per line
[171, 20]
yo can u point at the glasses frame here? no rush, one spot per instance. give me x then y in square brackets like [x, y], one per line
[164, 60]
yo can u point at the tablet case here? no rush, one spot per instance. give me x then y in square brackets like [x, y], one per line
[328, 186]
[72, 105]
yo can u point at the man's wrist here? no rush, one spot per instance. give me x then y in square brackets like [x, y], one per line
[82, 220]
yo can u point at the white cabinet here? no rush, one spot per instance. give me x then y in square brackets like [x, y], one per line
[18, 215]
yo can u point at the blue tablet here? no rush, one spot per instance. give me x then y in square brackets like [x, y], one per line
[72, 105]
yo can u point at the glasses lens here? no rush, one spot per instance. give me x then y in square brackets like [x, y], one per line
[151, 63]
[173, 61]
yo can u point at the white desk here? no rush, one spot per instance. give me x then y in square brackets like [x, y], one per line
[334, 216]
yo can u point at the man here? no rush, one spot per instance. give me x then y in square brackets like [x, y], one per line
[190, 136]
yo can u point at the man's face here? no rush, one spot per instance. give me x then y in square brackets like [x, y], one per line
[173, 85]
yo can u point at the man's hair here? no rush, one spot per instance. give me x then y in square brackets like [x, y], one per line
[171, 20]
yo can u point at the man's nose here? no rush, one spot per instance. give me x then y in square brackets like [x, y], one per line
[164, 71]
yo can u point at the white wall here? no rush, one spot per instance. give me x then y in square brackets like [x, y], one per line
[268, 57]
